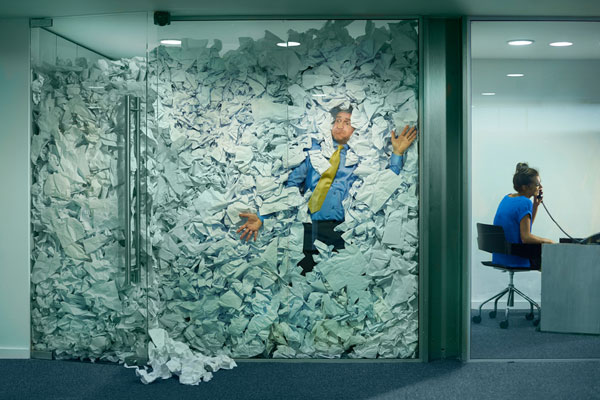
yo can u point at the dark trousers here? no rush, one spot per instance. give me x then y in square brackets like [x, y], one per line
[323, 232]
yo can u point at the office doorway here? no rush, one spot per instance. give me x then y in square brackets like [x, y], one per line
[535, 98]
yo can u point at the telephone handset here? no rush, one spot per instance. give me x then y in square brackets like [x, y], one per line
[540, 195]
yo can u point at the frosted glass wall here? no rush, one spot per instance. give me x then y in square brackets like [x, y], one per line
[236, 114]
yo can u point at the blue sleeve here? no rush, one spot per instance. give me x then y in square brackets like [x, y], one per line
[396, 163]
[298, 175]
[261, 217]
[525, 208]
[296, 179]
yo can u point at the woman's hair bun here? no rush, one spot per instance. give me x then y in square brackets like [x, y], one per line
[523, 175]
[522, 167]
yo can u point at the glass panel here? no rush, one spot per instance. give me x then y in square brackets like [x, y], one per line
[539, 104]
[245, 125]
[85, 303]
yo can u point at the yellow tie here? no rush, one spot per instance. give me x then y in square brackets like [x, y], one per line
[318, 196]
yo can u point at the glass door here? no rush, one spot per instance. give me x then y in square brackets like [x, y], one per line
[89, 272]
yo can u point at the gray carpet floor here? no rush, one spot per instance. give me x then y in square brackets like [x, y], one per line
[522, 341]
[70, 380]
[448, 379]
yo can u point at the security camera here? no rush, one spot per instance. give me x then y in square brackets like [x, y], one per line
[162, 18]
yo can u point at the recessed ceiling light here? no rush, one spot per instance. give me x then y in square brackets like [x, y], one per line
[520, 42]
[515, 75]
[319, 95]
[488, 94]
[171, 42]
[561, 44]
[288, 44]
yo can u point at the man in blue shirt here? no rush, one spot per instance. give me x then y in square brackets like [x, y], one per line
[331, 211]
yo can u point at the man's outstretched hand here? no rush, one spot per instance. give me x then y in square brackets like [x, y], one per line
[403, 141]
[251, 227]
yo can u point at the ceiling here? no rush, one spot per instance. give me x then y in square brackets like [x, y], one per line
[127, 35]
[489, 39]
[329, 8]
[567, 75]
[551, 74]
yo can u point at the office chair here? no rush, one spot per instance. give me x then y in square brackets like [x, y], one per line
[491, 239]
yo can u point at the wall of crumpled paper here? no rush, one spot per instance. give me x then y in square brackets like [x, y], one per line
[81, 307]
[223, 134]
[230, 129]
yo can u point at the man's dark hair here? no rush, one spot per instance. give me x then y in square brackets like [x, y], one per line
[336, 110]
[523, 176]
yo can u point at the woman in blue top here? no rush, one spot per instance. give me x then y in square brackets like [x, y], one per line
[516, 214]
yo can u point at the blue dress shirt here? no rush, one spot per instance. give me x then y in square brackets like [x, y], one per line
[305, 177]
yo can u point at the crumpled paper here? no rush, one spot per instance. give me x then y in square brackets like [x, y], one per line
[168, 357]
[223, 133]
[81, 307]
[261, 107]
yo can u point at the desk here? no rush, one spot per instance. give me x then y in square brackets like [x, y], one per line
[570, 288]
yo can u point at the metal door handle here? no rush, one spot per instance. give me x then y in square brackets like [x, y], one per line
[132, 274]
[127, 191]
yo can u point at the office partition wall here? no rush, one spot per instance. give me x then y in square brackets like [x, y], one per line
[146, 164]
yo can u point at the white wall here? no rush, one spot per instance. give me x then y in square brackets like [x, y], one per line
[14, 188]
[562, 141]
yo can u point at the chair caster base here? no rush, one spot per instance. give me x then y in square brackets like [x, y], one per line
[504, 324]
[476, 319]
[492, 314]
[529, 316]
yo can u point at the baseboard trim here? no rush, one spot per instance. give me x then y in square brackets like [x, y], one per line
[7, 353]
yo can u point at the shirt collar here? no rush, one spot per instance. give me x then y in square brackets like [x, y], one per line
[335, 144]
[328, 145]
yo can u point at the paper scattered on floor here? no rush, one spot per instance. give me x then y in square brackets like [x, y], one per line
[168, 357]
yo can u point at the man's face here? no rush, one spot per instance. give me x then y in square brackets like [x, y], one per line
[341, 129]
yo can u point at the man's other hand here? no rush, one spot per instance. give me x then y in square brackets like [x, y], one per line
[251, 227]
[403, 141]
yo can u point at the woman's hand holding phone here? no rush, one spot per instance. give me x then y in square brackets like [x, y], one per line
[537, 199]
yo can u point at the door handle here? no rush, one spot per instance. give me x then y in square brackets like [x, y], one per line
[132, 273]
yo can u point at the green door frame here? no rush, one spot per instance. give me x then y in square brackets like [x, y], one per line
[445, 200]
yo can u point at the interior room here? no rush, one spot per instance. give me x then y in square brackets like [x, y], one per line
[536, 103]
[299, 200]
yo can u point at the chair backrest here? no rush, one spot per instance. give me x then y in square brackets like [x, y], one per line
[491, 238]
